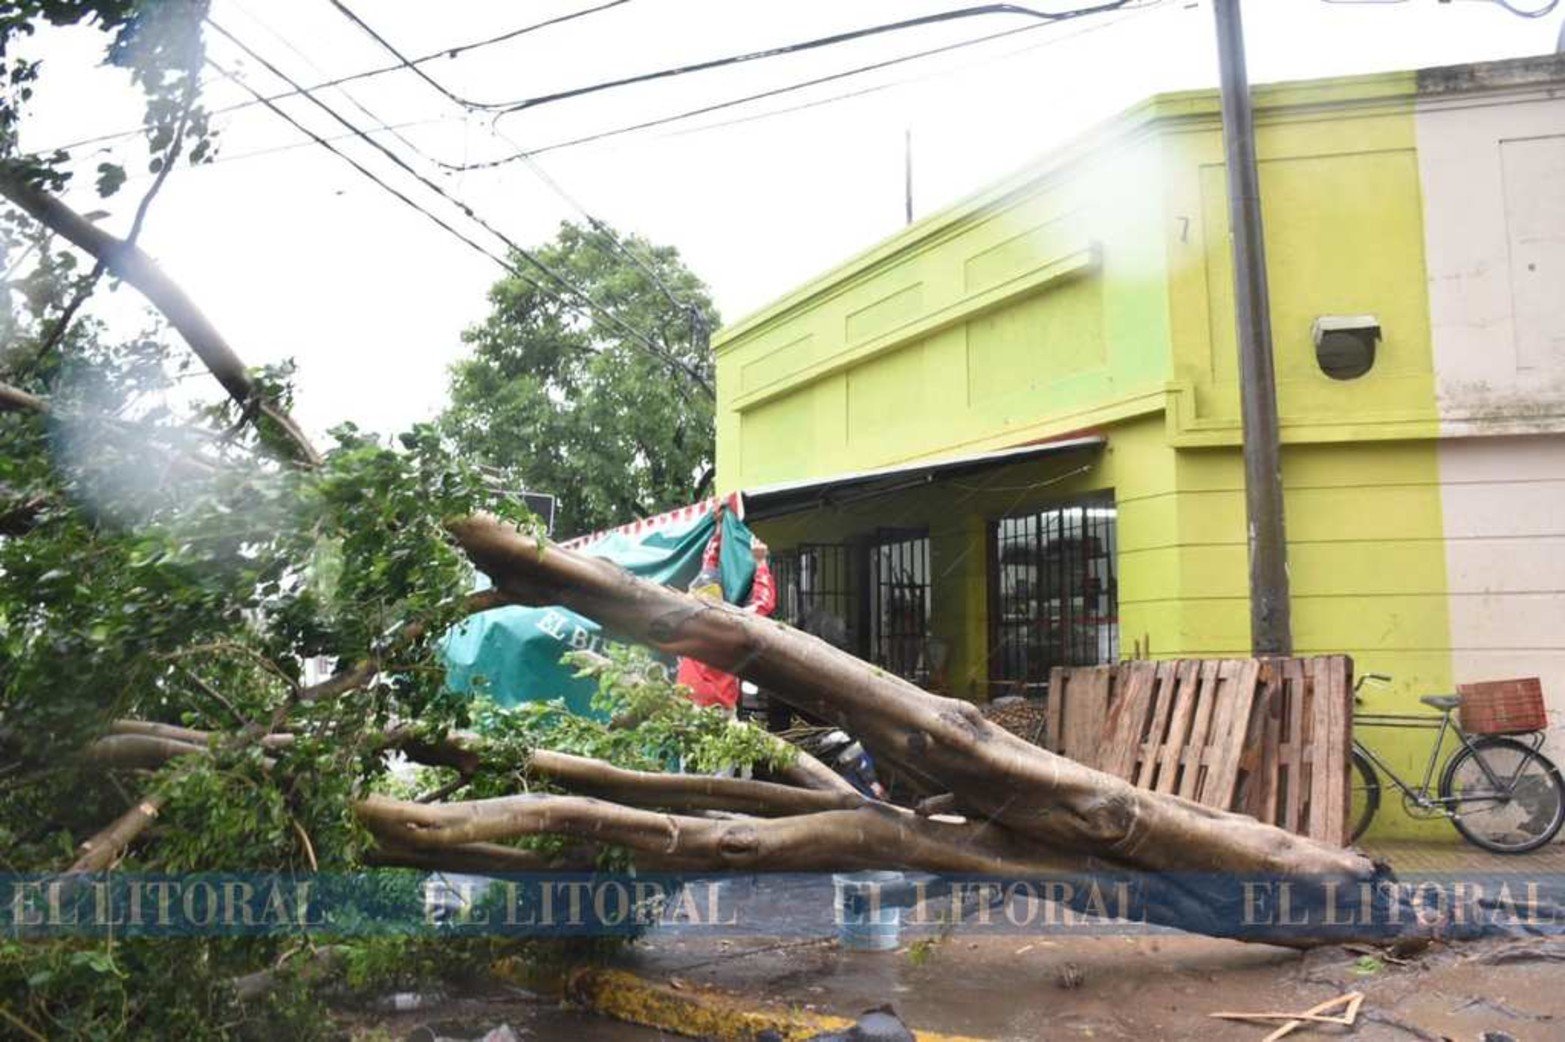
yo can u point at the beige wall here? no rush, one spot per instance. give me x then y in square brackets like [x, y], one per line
[1504, 505]
[1492, 171]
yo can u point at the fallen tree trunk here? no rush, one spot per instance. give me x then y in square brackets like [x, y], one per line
[966, 855]
[690, 825]
[872, 836]
[1029, 791]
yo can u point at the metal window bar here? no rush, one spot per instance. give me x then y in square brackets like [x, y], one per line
[815, 591]
[1056, 594]
[900, 604]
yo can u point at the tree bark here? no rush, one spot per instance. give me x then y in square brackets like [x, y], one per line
[872, 836]
[682, 792]
[1030, 791]
[138, 751]
[100, 850]
[14, 399]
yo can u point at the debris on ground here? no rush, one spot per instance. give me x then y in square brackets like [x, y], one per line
[1320, 1013]
[875, 1025]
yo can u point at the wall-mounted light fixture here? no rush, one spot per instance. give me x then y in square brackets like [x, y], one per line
[1345, 344]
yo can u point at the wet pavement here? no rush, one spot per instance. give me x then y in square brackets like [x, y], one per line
[1021, 986]
[529, 1021]
[1132, 988]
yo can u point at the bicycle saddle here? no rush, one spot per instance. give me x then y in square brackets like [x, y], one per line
[1441, 701]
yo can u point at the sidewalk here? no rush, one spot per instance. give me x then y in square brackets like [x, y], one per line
[1460, 856]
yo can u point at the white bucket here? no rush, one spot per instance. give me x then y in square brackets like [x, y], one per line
[865, 923]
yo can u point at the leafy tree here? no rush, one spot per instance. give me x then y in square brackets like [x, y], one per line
[182, 564]
[614, 418]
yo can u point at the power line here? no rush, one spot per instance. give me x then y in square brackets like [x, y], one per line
[566, 284]
[1522, 12]
[448, 52]
[291, 146]
[262, 99]
[796, 48]
[1131, 12]
[719, 106]
[761, 95]
[348, 96]
[601, 227]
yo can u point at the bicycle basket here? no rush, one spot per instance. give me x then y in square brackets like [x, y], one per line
[1503, 706]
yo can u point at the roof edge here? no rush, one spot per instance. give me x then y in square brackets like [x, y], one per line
[1165, 108]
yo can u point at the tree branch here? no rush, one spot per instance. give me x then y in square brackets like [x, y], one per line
[683, 792]
[14, 399]
[127, 261]
[362, 672]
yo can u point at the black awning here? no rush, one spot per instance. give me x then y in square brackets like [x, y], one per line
[788, 497]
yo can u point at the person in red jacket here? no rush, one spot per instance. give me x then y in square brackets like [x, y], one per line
[710, 686]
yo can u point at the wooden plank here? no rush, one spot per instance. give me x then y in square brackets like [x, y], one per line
[1126, 726]
[1221, 720]
[1297, 694]
[1206, 701]
[1329, 823]
[1224, 776]
[1313, 692]
[1085, 715]
[1054, 708]
[1188, 676]
[1263, 803]
[1163, 692]
[1320, 772]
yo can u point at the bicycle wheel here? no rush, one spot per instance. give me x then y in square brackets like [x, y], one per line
[1522, 813]
[1365, 798]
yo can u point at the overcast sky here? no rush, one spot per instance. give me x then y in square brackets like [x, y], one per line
[293, 253]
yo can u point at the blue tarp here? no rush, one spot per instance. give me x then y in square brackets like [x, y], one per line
[513, 654]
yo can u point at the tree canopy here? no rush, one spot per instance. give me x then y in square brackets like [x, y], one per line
[612, 417]
[179, 563]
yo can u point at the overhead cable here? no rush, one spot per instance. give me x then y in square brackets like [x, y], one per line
[422, 59]
[758, 96]
[506, 108]
[601, 227]
[586, 300]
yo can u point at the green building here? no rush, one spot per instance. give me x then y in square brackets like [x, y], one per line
[1008, 437]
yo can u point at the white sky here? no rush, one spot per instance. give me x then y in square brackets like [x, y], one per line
[292, 253]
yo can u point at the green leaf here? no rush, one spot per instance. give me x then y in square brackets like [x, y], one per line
[111, 176]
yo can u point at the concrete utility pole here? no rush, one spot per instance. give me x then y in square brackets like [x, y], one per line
[1271, 629]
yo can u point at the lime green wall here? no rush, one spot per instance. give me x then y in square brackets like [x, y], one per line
[1094, 291]
[1036, 311]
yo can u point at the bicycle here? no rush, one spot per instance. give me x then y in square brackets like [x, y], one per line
[1500, 793]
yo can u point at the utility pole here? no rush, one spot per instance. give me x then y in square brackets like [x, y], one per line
[1271, 630]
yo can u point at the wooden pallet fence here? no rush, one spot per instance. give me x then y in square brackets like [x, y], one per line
[1269, 737]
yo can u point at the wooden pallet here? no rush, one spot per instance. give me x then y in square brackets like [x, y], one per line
[1302, 753]
[1267, 737]
[1076, 710]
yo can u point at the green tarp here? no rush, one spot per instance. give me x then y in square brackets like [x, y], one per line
[513, 654]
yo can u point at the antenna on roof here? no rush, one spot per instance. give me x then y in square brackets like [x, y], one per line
[907, 169]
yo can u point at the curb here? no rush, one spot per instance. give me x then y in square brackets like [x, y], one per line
[695, 1011]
